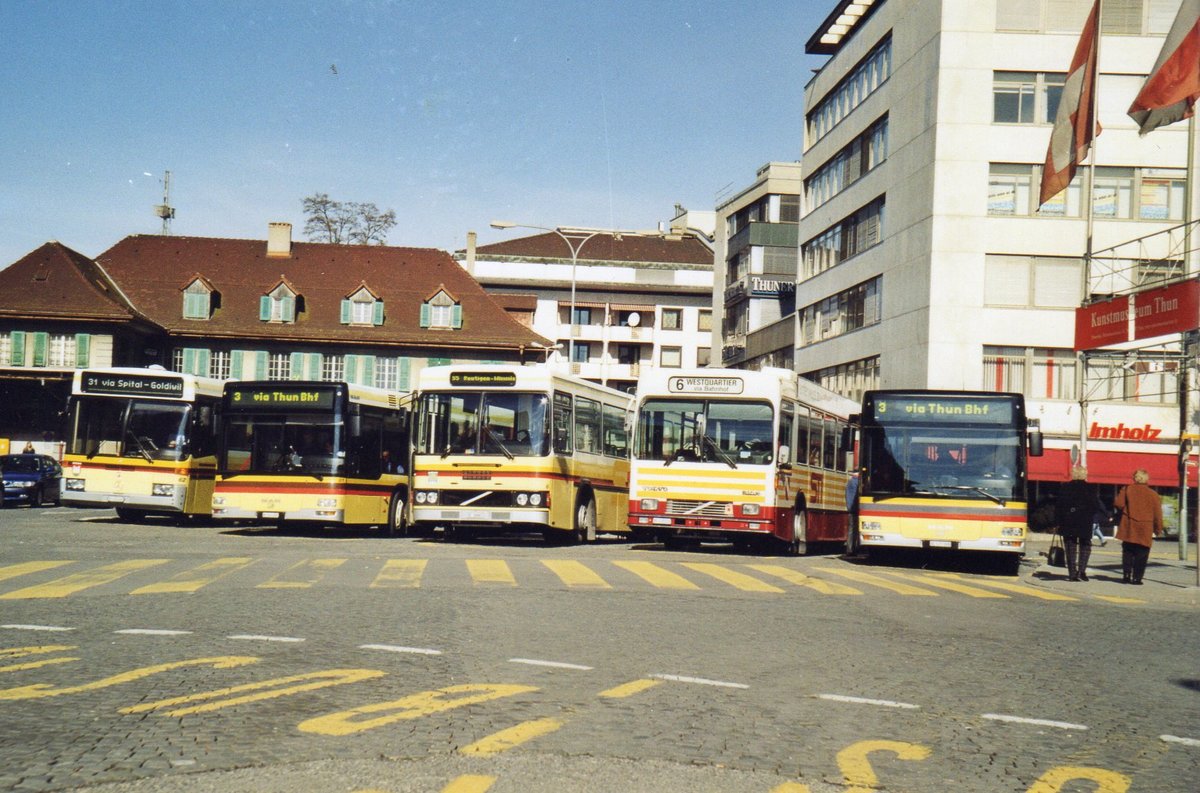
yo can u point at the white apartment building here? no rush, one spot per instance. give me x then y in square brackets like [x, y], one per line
[924, 259]
[754, 270]
[639, 299]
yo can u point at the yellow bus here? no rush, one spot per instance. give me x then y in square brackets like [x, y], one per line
[313, 452]
[520, 448]
[753, 458]
[142, 441]
[944, 469]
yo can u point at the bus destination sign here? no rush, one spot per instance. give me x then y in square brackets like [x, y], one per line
[478, 379]
[705, 385]
[273, 398]
[120, 384]
[955, 410]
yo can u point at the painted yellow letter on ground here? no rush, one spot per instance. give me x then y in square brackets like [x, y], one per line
[39, 690]
[347, 722]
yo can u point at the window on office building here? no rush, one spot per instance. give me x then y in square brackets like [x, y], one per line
[1026, 97]
[581, 352]
[703, 356]
[850, 379]
[1032, 281]
[1120, 193]
[671, 357]
[857, 307]
[862, 81]
[672, 319]
[858, 232]
[862, 155]
[1143, 381]
[1121, 17]
[704, 319]
[1038, 373]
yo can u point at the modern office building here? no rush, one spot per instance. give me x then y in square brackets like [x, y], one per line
[925, 260]
[640, 299]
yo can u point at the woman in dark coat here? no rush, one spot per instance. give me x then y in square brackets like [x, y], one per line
[1141, 522]
[1077, 503]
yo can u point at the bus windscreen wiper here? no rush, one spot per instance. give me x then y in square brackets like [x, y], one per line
[973, 489]
[487, 430]
[722, 456]
[140, 446]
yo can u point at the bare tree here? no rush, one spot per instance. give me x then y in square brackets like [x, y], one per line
[340, 222]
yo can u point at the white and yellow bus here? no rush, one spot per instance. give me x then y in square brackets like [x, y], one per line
[520, 448]
[748, 457]
[142, 441]
[313, 452]
[944, 469]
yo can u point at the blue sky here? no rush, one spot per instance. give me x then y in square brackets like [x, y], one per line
[600, 114]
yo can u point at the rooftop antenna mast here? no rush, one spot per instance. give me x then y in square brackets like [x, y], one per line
[165, 210]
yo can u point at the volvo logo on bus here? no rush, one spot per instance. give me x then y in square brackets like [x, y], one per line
[705, 385]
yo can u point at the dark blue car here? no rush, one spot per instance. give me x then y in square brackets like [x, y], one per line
[30, 478]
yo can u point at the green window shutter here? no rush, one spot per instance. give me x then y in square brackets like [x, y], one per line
[260, 365]
[297, 367]
[439, 362]
[345, 312]
[314, 366]
[189, 360]
[41, 346]
[368, 366]
[264, 308]
[18, 348]
[195, 306]
[288, 309]
[425, 312]
[350, 369]
[377, 318]
[83, 343]
[456, 317]
[202, 362]
[405, 367]
[235, 365]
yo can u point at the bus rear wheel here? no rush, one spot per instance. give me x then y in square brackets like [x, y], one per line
[585, 520]
[798, 545]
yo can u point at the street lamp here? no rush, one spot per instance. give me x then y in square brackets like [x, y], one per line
[575, 238]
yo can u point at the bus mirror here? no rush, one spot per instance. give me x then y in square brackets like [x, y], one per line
[1035, 443]
[785, 454]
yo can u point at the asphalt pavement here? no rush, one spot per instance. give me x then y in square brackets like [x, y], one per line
[1169, 580]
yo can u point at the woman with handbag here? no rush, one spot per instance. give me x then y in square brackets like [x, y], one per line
[1077, 502]
[1141, 522]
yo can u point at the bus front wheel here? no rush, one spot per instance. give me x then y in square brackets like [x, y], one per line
[799, 543]
[585, 520]
[397, 525]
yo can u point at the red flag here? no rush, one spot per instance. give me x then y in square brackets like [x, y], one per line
[1174, 84]
[1071, 138]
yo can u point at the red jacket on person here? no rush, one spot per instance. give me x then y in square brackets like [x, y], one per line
[1141, 514]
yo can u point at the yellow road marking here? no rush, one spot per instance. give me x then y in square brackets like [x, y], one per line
[1021, 589]
[1057, 778]
[513, 736]
[874, 580]
[414, 706]
[629, 689]
[192, 580]
[490, 571]
[576, 574]
[1117, 599]
[40, 690]
[14, 570]
[470, 783]
[302, 574]
[657, 576]
[266, 689]
[732, 577]
[791, 787]
[800, 579]
[965, 589]
[71, 584]
[400, 574]
[856, 767]
[22, 652]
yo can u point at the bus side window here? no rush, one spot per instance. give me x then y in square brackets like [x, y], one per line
[587, 425]
[787, 420]
[800, 450]
[562, 423]
[829, 448]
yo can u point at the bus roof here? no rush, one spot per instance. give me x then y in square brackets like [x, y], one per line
[147, 383]
[769, 383]
[528, 377]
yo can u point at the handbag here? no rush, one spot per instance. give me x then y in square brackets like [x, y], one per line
[1056, 556]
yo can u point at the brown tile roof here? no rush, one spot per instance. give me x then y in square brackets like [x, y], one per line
[57, 282]
[606, 247]
[152, 270]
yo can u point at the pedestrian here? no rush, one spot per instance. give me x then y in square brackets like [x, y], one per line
[1099, 521]
[1141, 522]
[1077, 503]
[29, 448]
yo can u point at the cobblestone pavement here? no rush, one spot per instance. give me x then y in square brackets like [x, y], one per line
[200, 658]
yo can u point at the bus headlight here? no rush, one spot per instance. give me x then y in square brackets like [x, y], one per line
[218, 501]
[870, 525]
[649, 505]
[327, 502]
[1012, 531]
[750, 510]
[536, 499]
[75, 484]
[162, 490]
[522, 499]
[426, 497]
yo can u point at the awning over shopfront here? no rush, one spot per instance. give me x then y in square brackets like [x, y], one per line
[1109, 467]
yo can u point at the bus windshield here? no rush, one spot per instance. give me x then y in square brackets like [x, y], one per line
[712, 430]
[304, 443]
[957, 462]
[508, 423]
[129, 428]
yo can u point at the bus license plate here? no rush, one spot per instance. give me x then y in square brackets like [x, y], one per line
[940, 544]
[270, 514]
[474, 514]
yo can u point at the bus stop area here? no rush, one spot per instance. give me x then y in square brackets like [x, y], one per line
[1169, 580]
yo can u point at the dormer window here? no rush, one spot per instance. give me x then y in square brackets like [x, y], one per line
[362, 308]
[278, 305]
[198, 299]
[441, 311]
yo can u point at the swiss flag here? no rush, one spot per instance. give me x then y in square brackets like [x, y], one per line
[1075, 125]
[1174, 84]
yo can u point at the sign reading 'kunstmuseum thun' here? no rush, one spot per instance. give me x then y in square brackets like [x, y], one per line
[1155, 312]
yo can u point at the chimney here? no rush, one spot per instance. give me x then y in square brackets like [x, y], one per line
[470, 252]
[279, 239]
